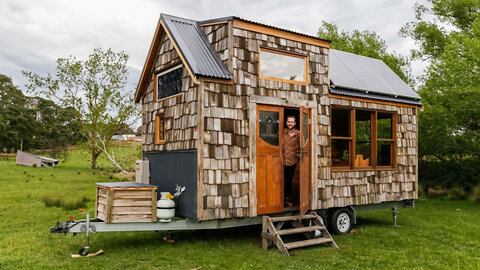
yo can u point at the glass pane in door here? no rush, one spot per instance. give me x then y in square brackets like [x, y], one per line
[269, 123]
[305, 129]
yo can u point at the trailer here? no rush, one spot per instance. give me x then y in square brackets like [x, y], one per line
[95, 225]
[215, 97]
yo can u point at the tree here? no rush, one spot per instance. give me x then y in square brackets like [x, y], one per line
[16, 117]
[34, 122]
[367, 44]
[94, 90]
[55, 127]
[448, 35]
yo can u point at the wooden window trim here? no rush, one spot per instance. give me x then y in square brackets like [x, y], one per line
[155, 81]
[296, 55]
[157, 128]
[349, 139]
[373, 143]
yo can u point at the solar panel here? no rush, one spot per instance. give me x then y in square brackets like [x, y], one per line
[365, 74]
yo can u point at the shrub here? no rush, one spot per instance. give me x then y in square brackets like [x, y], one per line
[436, 193]
[457, 193]
[421, 191]
[475, 194]
[51, 201]
[71, 204]
[75, 204]
[449, 173]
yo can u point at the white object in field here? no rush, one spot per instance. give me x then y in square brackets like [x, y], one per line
[27, 159]
[142, 171]
[165, 208]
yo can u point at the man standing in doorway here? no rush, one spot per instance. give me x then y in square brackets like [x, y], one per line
[291, 144]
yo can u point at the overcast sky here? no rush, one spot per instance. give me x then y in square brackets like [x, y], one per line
[33, 34]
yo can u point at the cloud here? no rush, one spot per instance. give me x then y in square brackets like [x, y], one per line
[36, 33]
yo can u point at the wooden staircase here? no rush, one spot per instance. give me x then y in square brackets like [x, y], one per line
[272, 232]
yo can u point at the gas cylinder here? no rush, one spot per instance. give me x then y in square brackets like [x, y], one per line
[165, 207]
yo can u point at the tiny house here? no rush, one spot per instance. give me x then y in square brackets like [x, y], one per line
[215, 96]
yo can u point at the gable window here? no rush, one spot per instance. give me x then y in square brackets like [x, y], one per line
[169, 82]
[283, 66]
[160, 129]
[362, 139]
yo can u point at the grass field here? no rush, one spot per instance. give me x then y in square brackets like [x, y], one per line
[437, 234]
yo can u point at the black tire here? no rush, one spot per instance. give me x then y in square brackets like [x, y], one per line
[340, 221]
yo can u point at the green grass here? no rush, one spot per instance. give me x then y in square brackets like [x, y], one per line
[437, 234]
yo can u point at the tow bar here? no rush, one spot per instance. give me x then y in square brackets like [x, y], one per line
[86, 227]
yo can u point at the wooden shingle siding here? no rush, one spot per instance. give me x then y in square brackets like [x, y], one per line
[180, 111]
[214, 117]
[342, 188]
[226, 116]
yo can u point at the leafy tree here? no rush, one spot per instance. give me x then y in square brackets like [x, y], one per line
[368, 44]
[16, 117]
[94, 90]
[448, 35]
[56, 127]
[33, 122]
[124, 129]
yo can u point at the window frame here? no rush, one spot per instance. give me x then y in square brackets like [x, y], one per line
[159, 116]
[285, 53]
[349, 139]
[157, 75]
[373, 141]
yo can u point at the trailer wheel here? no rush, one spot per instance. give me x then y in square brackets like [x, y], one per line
[340, 221]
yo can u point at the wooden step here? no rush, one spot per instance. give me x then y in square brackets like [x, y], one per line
[309, 242]
[277, 219]
[300, 230]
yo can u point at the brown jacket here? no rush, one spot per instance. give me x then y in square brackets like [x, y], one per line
[290, 148]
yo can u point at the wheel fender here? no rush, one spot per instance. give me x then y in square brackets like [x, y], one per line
[354, 214]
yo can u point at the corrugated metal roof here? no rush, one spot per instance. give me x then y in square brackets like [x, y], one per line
[358, 94]
[199, 55]
[367, 75]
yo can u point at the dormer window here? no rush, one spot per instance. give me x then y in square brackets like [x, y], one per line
[283, 66]
[168, 82]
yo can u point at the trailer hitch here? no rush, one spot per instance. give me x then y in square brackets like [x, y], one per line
[86, 227]
[61, 227]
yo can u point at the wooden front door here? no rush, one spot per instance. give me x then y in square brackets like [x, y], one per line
[304, 159]
[269, 159]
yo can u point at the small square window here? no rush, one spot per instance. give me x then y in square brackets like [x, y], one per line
[169, 82]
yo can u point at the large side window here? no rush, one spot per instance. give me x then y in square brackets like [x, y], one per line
[169, 82]
[283, 66]
[362, 139]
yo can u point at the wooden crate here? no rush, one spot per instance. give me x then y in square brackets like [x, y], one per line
[119, 202]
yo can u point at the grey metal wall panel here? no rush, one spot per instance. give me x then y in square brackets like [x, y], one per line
[169, 168]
